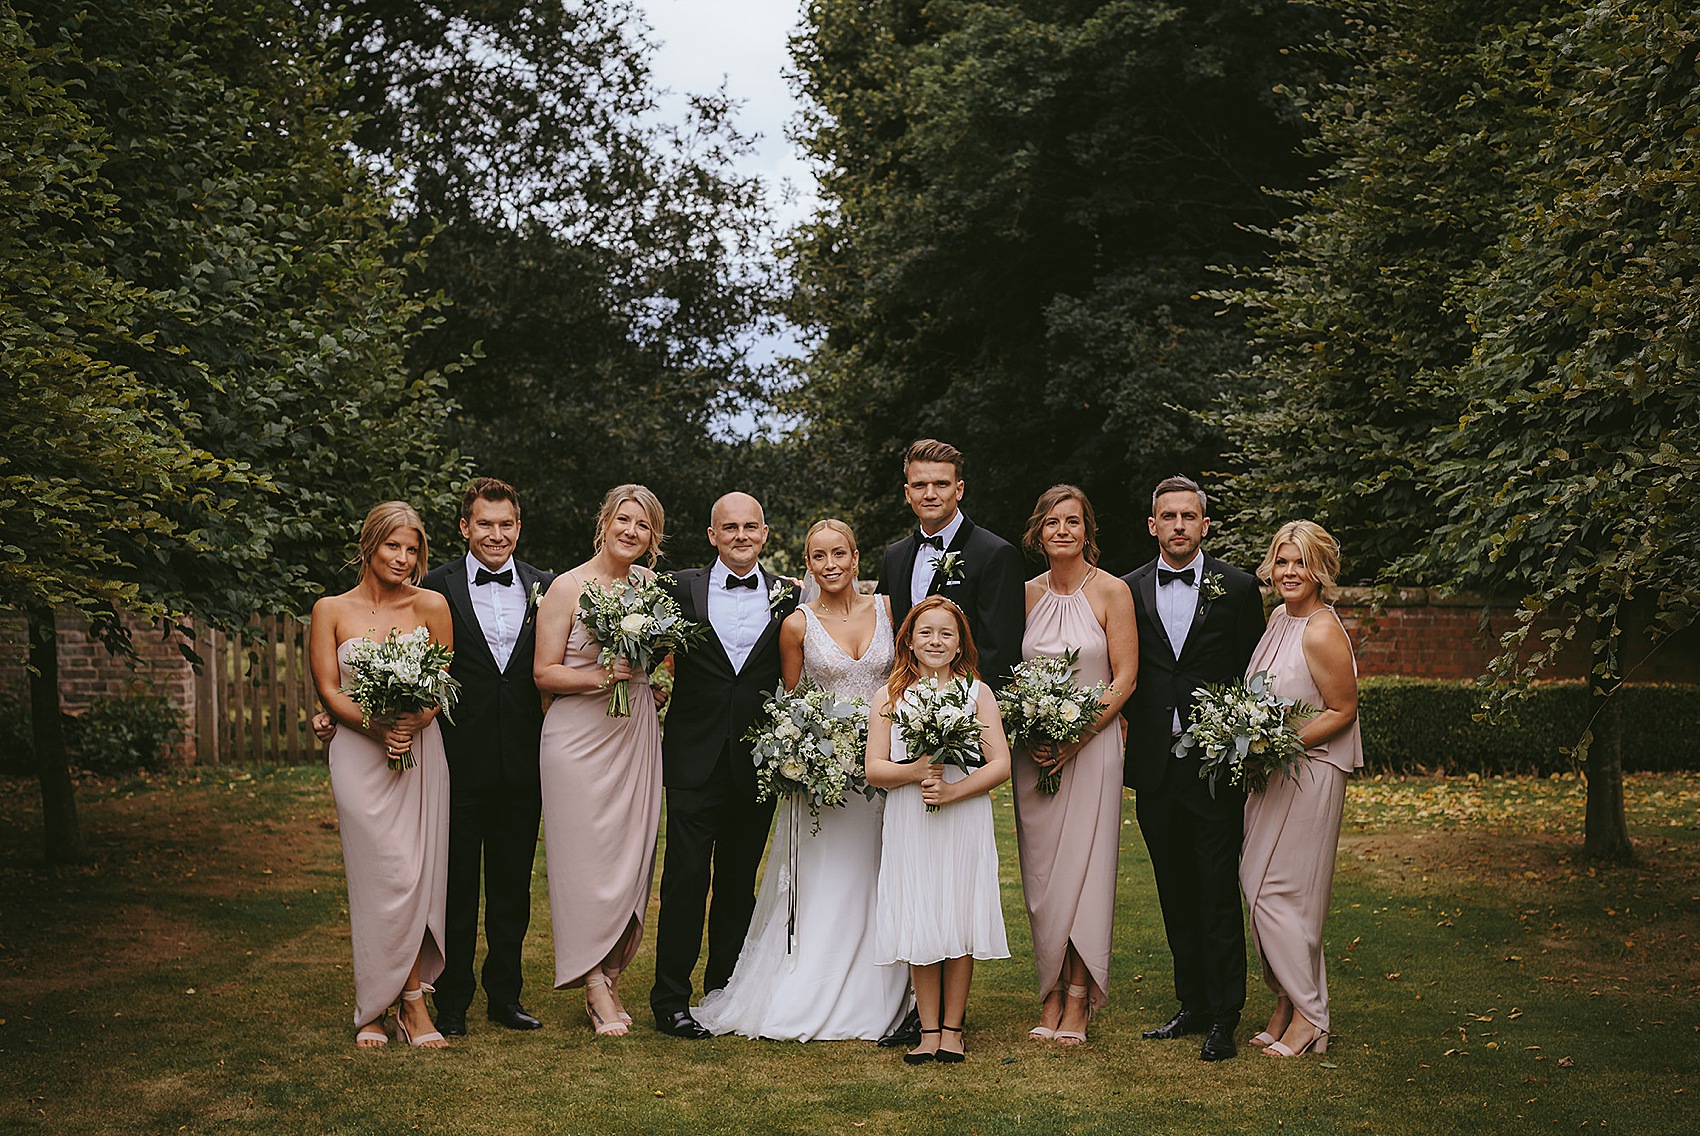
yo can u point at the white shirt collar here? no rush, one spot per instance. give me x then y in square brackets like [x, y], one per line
[1195, 566]
[718, 573]
[473, 564]
[948, 533]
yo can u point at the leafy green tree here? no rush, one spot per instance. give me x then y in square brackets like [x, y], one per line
[241, 357]
[1023, 202]
[1573, 476]
[1361, 322]
[607, 268]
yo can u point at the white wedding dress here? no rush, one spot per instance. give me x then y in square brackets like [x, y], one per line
[813, 977]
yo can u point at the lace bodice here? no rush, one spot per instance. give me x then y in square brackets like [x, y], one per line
[828, 665]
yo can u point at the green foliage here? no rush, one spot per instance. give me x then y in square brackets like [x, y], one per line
[606, 269]
[263, 319]
[1425, 725]
[1023, 200]
[127, 733]
[1362, 320]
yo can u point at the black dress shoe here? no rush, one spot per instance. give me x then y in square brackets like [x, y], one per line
[1183, 1023]
[681, 1024]
[908, 1032]
[451, 1023]
[1218, 1044]
[514, 1016]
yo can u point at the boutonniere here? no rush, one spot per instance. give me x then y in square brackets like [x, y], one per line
[536, 593]
[778, 595]
[948, 570]
[1212, 587]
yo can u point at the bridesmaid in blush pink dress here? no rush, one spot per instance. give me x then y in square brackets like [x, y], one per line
[1069, 840]
[601, 775]
[394, 824]
[1292, 829]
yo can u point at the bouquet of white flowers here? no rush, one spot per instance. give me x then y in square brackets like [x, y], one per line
[399, 675]
[812, 744]
[638, 621]
[1044, 704]
[937, 721]
[1246, 731]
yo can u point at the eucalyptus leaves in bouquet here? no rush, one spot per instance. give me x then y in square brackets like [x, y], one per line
[1044, 704]
[1245, 732]
[938, 721]
[401, 674]
[812, 744]
[636, 620]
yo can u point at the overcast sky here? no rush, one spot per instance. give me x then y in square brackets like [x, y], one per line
[743, 44]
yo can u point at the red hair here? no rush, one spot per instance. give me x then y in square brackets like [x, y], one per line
[906, 669]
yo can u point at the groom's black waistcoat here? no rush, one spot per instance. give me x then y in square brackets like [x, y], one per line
[713, 706]
[989, 593]
[493, 740]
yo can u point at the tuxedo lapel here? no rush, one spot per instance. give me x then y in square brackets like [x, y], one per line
[958, 544]
[699, 597]
[460, 596]
[903, 569]
[1148, 594]
[775, 614]
[525, 576]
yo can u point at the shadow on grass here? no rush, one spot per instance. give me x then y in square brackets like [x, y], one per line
[196, 979]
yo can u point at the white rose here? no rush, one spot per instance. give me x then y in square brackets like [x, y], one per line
[634, 623]
[1070, 711]
[1028, 707]
[787, 729]
[791, 770]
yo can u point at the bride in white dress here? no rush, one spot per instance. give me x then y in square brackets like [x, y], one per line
[813, 977]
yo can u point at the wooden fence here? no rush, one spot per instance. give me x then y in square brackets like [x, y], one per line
[253, 700]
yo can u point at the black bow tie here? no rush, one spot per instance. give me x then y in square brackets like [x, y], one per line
[1164, 576]
[936, 541]
[485, 576]
[749, 581]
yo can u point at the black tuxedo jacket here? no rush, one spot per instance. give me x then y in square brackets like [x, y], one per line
[1224, 633]
[493, 740]
[990, 592]
[712, 705]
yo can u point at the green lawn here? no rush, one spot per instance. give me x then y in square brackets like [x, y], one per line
[196, 980]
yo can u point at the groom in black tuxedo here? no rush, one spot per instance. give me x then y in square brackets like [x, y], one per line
[1199, 621]
[495, 796]
[982, 573]
[716, 830]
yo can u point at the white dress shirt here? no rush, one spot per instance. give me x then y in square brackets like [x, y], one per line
[500, 611]
[1177, 603]
[927, 560]
[738, 615]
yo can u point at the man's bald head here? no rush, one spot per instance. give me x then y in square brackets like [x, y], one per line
[737, 529]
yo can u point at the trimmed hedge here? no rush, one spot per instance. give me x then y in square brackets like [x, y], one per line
[1427, 725]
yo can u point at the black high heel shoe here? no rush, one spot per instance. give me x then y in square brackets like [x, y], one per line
[920, 1058]
[945, 1056]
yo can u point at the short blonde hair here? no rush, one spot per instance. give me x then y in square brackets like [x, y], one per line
[835, 525]
[1320, 552]
[652, 511]
[385, 518]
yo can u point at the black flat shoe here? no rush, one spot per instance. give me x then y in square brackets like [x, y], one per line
[908, 1032]
[681, 1024]
[514, 1016]
[1183, 1023]
[920, 1058]
[451, 1023]
[1218, 1044]
[945, 1056]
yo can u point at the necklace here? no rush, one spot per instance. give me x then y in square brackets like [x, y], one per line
[843, 616]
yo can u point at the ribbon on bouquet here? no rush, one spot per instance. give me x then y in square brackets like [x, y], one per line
[791, 868]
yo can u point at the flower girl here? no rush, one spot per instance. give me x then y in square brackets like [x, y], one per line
[939, 907]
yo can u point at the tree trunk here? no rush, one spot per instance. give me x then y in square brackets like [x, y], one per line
[64, 837]
[1605, 834]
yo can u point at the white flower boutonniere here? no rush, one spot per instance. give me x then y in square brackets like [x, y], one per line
[777, 596]
[536, 593]
[948, 570]
[1212, 587]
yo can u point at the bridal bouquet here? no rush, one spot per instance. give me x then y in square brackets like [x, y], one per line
[1246, 732]
[638, 621]
[937, 721]
[399, 675]
[1043, 704]
[811, 743]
